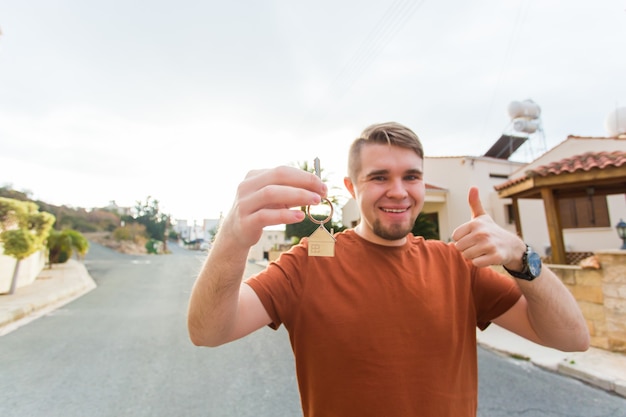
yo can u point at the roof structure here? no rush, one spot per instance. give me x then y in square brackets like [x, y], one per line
[605, 171]
[434, 187]
[584, 162]
[598, 173]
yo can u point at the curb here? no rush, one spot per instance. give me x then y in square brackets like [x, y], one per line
[567, 367]
[52, 300]
[615, 385]
[76, 282]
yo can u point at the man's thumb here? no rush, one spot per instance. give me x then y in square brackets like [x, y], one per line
[474, 202]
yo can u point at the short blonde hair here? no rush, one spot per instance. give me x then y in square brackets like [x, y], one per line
[391, 133]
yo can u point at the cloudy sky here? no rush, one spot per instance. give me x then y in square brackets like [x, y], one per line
[120, 100]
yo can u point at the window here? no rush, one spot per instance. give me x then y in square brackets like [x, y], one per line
[499, 176]
[588, 211]
[509, 213]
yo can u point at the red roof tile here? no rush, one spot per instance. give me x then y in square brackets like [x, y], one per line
[433, 187]
[584, 162]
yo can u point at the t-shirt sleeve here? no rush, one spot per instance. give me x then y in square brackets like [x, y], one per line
[260, 287]
[279, 285]
[494, 295]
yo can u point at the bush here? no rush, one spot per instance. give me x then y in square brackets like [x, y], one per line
[153, 246]
[133, 232]
[62, 244]
[23, 229]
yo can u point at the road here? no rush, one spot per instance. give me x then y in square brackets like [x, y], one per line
[123, 350]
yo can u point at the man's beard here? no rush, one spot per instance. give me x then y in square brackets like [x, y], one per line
[393, 232]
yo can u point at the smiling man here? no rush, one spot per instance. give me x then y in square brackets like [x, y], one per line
[387, 325]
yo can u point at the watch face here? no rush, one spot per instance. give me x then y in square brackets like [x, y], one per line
[534, 263]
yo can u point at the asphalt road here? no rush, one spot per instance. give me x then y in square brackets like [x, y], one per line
[123, 350]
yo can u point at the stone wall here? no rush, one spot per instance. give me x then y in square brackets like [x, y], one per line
[601, 295]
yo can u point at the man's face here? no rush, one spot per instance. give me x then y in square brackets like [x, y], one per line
[389, 191]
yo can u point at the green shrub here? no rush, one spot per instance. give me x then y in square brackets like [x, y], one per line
[62, 244]
[133, 232]
[23, 231]
[152, 246]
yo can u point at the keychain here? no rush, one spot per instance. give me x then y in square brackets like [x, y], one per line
[321, 241]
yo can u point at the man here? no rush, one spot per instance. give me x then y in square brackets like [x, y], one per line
[387, 325]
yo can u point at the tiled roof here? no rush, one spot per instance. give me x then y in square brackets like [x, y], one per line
[583, 162]
[433, 187]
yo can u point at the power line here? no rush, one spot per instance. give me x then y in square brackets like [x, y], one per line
[392, 21]
[383, 32]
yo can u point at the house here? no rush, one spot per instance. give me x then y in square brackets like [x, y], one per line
[570, 199]
[271, 238]
[200, 234]
[448, 180]
[121, 211]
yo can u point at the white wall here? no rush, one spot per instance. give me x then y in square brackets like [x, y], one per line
[269, 239]
[28, 271]
[457, 174]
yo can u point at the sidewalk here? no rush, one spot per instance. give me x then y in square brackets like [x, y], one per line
[604, 369]
[52, 289]
[66, 282]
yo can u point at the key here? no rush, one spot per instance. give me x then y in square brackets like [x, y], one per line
[316, 165]
[321, 241]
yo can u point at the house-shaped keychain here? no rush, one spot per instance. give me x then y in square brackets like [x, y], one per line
[321, 242]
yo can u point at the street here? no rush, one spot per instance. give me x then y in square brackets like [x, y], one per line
[123, 350]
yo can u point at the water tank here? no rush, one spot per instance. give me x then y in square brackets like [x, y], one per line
[527, 108]
[526, 126]
[616, 122]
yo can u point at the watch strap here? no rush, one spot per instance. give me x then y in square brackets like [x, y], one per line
[525, 273]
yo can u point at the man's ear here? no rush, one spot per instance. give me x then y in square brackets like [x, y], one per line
[349, 186]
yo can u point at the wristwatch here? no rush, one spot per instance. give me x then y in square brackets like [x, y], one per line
[531, 266]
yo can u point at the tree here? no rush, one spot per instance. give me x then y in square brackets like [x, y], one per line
[425, 227]
[23, 231]
[306, 227]
[305, 166]
[148, 214]
[8, 192]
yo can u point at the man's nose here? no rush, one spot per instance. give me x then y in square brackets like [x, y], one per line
[396, 189]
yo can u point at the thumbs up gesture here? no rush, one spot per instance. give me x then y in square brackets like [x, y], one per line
[482, 241]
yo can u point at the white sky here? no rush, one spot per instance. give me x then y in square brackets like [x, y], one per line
[120, 100]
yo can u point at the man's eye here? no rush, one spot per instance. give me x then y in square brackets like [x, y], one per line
[378, 178]
[413, 178]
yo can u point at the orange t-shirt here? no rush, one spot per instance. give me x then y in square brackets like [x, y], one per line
[384, 331]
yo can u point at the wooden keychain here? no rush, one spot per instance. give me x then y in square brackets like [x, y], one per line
[321, 241]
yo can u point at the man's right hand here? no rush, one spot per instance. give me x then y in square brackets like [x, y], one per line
[221, 308]
[266, 198]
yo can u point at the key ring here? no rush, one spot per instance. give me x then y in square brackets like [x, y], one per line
[327, 219]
